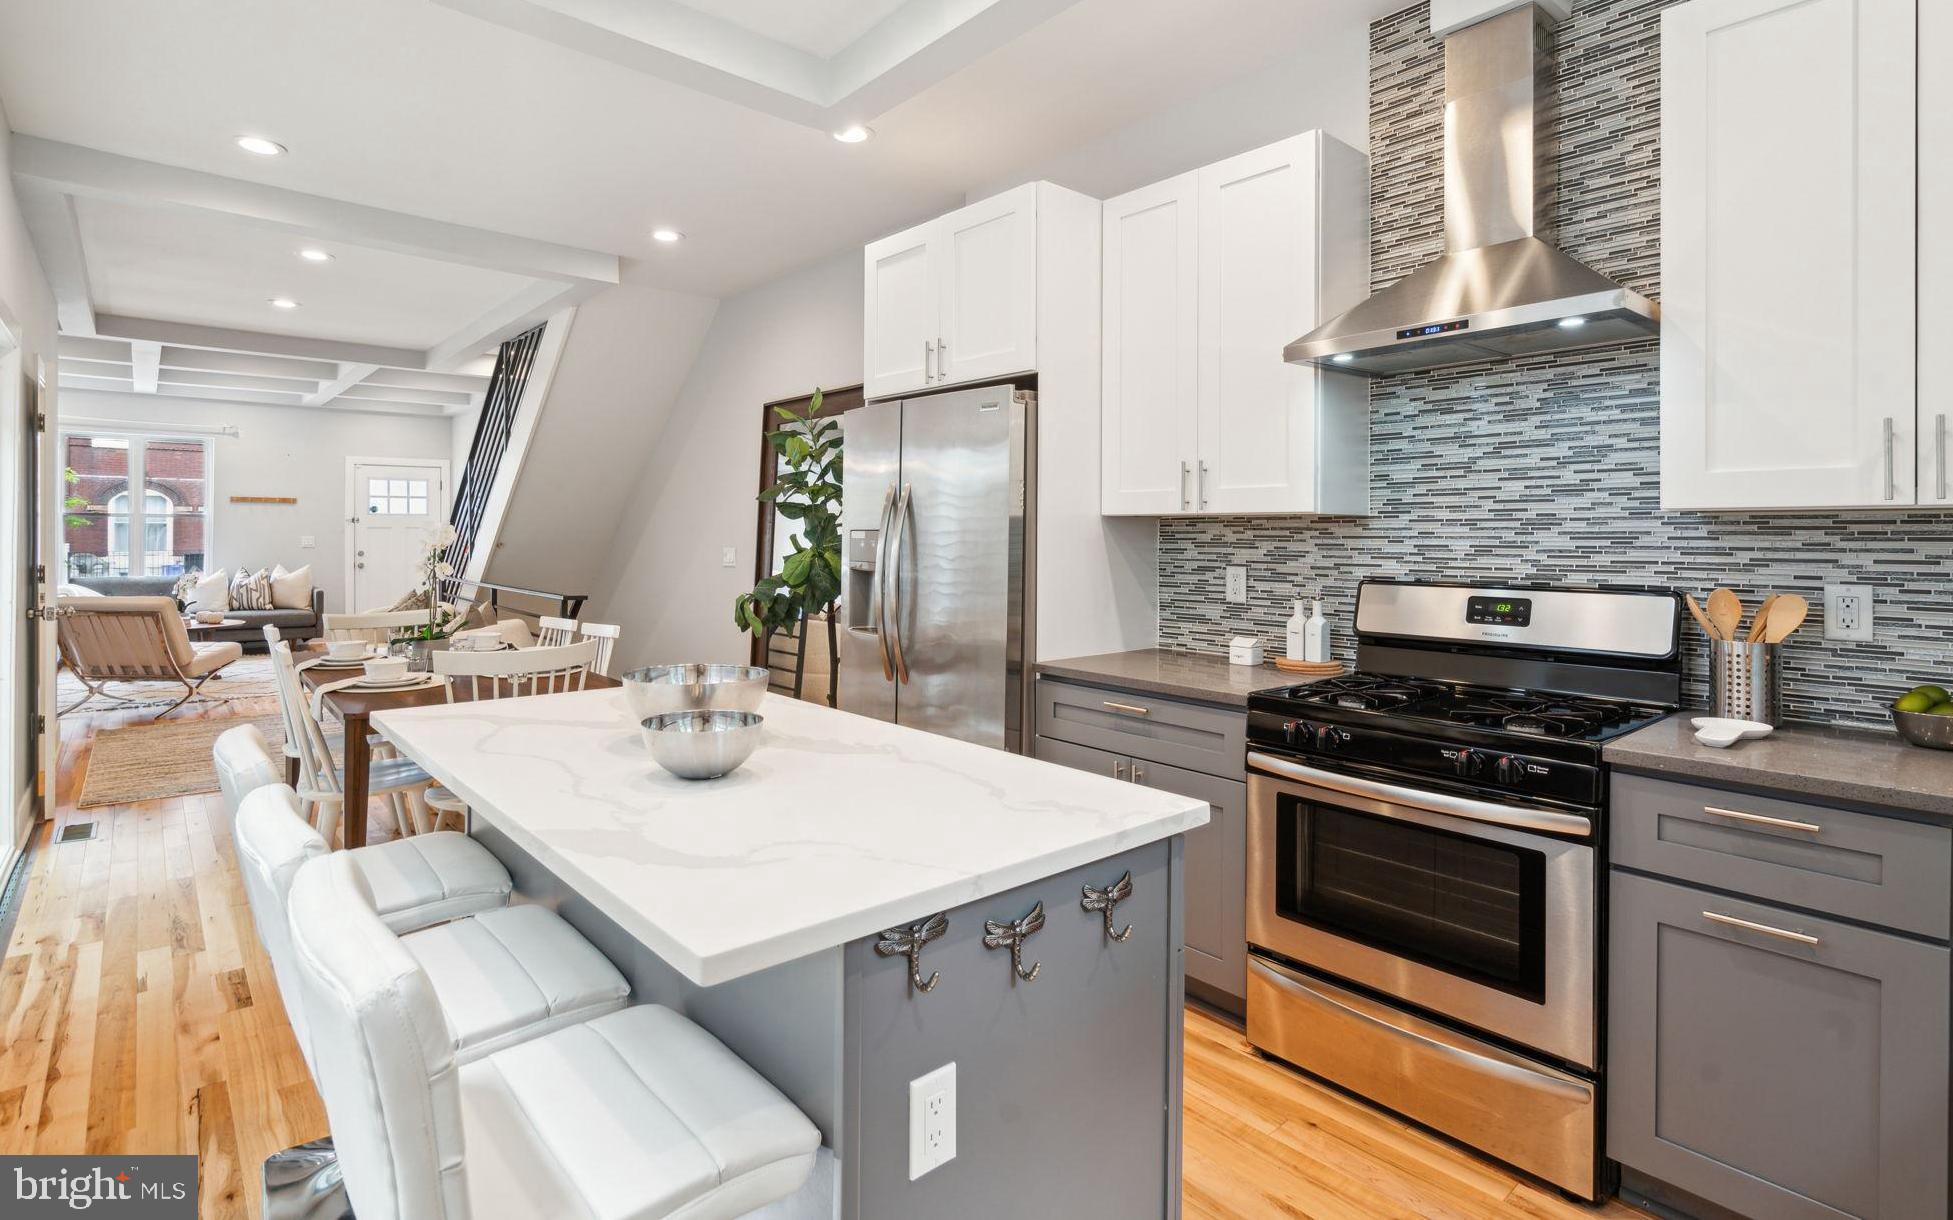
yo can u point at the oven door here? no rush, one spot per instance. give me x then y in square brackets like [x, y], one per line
[1476, 910]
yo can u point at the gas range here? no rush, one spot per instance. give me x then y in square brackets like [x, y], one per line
[1544, 744]
[1425, 885]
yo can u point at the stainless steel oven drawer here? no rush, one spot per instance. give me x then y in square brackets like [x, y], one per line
[1540, 1119]
[1188, 735]
[1858, 865]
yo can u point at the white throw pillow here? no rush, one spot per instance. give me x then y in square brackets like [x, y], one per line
[291, 590]
[212, 593]
[75, 591]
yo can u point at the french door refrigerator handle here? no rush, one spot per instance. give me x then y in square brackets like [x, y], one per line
[894, 579]
[878, 611]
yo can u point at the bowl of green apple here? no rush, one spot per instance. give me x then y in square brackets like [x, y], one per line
[1924, 717]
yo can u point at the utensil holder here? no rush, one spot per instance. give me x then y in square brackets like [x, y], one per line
[1744, 681]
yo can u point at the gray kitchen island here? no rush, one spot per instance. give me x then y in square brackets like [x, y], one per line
[857, 908]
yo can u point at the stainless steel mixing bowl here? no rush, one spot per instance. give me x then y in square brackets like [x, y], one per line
[703, 744]
[657, 689]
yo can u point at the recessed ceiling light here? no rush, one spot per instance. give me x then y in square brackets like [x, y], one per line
[312, 254]
[1572, 323]
[283, 303]
[1342, 357]
[666, 235]
[258, 146]
[853, 134]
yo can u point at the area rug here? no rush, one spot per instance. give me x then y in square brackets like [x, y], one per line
[148, 762]
[249, 677]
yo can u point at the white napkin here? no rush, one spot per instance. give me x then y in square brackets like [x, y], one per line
[319, 694]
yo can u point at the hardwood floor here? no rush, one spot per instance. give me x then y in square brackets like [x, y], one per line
[139, 1015]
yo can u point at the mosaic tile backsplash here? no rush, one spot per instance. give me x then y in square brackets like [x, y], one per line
[1548, 469]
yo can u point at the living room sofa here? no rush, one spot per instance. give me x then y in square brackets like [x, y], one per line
[292, 625]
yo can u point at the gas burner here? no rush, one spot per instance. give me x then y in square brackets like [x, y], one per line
[1365, 692]
[1535, 715]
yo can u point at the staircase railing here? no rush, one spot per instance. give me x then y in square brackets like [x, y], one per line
[513, 363]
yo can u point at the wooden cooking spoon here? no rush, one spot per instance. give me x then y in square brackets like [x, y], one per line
[1701, 619]
[1785, 617]
[1726, 612]
[1760, 618]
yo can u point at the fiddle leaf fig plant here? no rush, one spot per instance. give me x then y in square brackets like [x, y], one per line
[807, 493]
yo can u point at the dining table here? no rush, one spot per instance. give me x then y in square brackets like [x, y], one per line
[356, 707]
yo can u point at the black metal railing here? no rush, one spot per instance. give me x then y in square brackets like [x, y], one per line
[512, 367]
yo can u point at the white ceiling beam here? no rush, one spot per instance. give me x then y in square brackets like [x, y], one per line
[83, 348]
[51, 223]
[145, 360]
[382, 407]
[207, 361]
[261, 396]
[375, 393]
[69, 382]
[235, 381]
[408, 379]
[91, 173]
[349, 376]
[534, 305]
[252, 342]
[76, 367]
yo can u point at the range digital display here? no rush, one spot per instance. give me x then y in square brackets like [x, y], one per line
[1499, 611]
[1435, 328]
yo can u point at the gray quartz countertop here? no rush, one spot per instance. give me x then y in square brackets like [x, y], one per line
[1202, 676]
[1858, 766]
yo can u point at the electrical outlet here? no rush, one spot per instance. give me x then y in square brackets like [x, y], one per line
[932, 1120]
[1847, 612]
[1237, 583]
[729, 557]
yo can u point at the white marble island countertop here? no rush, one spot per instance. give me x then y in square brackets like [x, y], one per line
[838, 826]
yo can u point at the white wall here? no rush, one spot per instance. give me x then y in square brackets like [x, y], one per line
[693, 494]
[26, 307]
[626, 354]
[279, 451]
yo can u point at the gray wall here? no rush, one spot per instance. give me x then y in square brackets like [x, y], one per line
[280, 451]
[664, 581]
[1548, 469]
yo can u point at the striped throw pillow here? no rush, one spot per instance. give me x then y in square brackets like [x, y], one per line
[251, 590]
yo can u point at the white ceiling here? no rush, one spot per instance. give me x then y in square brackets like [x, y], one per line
[474, 173]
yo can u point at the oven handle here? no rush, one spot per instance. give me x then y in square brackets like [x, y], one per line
[1295, 987]
[1435, 802]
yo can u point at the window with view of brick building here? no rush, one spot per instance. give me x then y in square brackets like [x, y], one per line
[135, 506]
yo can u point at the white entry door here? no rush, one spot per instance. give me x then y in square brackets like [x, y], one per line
[391, 508]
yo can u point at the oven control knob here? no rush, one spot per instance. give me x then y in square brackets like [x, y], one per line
[1509, 771]
[1467, 763]
[1295, 733]
[1329, 737]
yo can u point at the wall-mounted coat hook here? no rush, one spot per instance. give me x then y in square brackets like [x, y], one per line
[1103, 901]
[1012, 936]
[908, 942]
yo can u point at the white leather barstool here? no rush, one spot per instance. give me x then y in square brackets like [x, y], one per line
[423, 880]
[502, 974]
[638, 1113]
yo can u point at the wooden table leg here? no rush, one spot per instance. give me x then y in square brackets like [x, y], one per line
[291, 769]
[358, 758]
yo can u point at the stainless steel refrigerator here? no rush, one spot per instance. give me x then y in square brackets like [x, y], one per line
[937, 513]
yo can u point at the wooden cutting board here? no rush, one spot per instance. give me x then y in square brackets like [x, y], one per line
[1313, 669]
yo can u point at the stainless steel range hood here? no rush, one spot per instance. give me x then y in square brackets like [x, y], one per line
[1501, 289]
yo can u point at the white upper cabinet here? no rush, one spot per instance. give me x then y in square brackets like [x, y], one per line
[954, 300]
[900, 349]
[1936, 254]
[1207, 276]
[1790, 254]
[1151, 349]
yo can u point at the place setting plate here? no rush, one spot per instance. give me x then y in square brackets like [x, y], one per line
[392, 683]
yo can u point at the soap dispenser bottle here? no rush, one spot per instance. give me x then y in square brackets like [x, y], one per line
[1298, 634]
[1315, 633]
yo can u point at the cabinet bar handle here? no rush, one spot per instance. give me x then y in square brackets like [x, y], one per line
[1131, 709]
[1202, 484]
[929, 363]
[1939, 441]
[1186, 498]
[1891, 478]
[1780, 933]
[1810, 828]
[1118, 768]
[1138, 773]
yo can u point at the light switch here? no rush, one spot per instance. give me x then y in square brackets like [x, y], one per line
[729, 557]
[305, 542]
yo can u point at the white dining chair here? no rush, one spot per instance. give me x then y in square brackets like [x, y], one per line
[494, 675]
[377, 627]
[606, 635]
[638, 1112]
[555, 632]
[321, 776]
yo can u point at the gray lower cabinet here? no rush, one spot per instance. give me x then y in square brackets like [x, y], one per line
[1774, 1062]
[1216, 854]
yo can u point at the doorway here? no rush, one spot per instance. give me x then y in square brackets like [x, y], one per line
[391, 507]
[19, 597]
